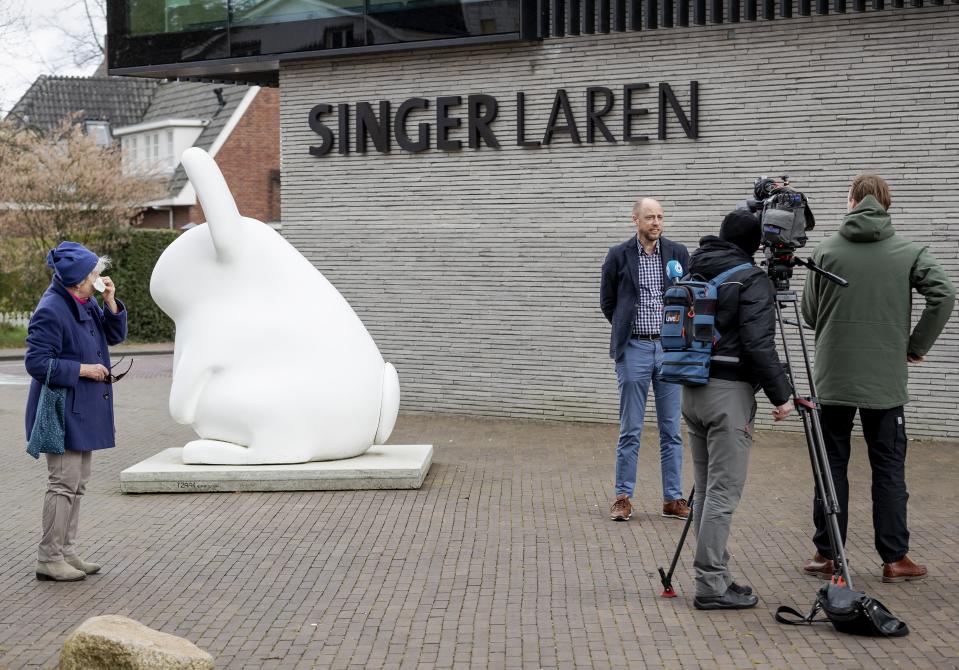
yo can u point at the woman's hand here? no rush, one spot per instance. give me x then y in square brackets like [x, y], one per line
[93, 371]
[109, 294]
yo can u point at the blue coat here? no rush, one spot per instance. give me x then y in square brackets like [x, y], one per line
[70, 333]
[618, 288]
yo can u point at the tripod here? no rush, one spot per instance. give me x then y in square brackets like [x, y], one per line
[808, 410]
[849, 611]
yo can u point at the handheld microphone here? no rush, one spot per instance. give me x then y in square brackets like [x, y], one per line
[674, 270]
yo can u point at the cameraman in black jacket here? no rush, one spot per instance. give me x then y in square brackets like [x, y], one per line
[719, 416]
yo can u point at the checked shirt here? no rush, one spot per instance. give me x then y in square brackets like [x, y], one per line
[649, 301]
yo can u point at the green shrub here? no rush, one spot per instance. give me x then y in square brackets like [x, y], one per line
[24, 274]
[133, 263]
[134, 253]
[12, 336]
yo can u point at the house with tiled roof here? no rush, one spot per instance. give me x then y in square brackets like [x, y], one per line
[155, 122]
[99, 103]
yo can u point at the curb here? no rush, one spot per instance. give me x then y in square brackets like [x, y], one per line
[133, 350]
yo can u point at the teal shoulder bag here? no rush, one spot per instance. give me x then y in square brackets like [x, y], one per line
[48, 432]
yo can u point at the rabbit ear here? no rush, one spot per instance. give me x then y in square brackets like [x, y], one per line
[216, 199]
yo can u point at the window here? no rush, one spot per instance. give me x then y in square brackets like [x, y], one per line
[338, 37]
[99, 132]
[171, 34]
[134, 153]
[151, 17]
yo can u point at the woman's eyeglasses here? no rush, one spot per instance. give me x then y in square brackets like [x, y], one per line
[112, 378]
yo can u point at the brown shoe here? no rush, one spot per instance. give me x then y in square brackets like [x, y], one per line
[903, 570]
[677, 509]
[818, 566]
[622, 509]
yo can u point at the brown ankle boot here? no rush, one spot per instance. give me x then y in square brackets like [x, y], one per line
[819, 566]
[903, 570]
[676, 509]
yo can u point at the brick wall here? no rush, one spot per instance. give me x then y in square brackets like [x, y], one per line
[160, 218]
[477, 272]
[250, 158]
[250, 162]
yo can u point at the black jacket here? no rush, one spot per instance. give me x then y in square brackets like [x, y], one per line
[618, 288]
[745, 319]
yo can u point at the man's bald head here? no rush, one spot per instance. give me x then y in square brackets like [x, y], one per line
[640, 201]
[648, 219]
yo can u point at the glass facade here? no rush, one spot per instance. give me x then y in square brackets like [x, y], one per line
[164, 32]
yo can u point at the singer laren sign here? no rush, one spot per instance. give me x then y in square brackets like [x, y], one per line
[355, 127]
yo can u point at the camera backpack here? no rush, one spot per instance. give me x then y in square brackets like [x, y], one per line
[689, 333]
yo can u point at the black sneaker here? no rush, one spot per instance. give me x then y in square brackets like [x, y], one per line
[727, 601]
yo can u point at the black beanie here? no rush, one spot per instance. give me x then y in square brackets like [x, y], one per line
[741, 227]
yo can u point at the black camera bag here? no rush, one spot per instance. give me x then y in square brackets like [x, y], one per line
[849, 612]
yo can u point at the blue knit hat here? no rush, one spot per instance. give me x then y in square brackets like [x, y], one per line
[71, 262]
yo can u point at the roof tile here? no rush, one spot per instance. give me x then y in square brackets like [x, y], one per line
[51, 99]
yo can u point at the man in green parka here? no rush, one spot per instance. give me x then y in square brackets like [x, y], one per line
[863, 344]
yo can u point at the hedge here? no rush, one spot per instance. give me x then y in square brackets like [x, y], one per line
[133, 264]
[134, 253]
[23, 274]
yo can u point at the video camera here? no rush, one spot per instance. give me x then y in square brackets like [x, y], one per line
[784, 213]
[785, 216]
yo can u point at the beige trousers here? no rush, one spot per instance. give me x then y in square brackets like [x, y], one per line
[68, 476]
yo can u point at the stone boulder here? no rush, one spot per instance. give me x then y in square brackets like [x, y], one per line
[117, 643]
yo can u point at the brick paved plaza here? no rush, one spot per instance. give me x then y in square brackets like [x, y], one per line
[504, 559]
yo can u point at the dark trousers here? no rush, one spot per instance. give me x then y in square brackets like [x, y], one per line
[885, 433]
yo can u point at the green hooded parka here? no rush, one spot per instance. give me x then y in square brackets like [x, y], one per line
[863, 332]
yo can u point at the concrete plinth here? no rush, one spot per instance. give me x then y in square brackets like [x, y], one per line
[382, 467]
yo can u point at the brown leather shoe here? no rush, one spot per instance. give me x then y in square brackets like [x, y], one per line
[903, 570]
[622, 509]
[676, 509]
[819, 566]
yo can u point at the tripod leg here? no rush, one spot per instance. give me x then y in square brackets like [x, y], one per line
[830, 504]
[807, 410]
[667, 578]
[825, 487]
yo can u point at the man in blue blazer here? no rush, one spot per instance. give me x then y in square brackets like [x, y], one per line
[631, 297]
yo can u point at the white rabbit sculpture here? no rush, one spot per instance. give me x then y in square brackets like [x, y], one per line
[271, 364]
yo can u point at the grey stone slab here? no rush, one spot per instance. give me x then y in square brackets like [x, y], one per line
[382, 467]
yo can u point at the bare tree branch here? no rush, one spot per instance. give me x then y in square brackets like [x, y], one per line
[61, 185]
[11, 18]
[94, 21]
[83, 44]
[91, 22]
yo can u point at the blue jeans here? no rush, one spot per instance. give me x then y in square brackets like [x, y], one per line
[641, 362]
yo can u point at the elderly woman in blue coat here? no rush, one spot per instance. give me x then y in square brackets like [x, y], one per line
[70, 329]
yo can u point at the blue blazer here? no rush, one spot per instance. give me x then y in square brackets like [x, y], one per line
[68, 333]
[618, 289]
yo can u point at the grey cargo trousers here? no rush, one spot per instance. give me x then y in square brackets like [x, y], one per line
[719, 417]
